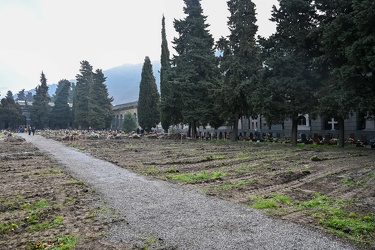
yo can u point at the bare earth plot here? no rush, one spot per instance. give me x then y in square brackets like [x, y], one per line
[41, 207]
[328, 190]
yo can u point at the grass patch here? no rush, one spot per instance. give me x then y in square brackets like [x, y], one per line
[7, 226]
[270, 201]
[38, 205]
[11, 204]
[151, 171]
[241, 155]
[52, 172]
[171, 171]
[57, 221]
[76, 146]
[60, 242]
[74, 182]
[196, 177]
[230, 185]
[332, 214]
[355, 227]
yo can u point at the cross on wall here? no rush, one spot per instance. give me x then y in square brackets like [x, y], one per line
[333, 122]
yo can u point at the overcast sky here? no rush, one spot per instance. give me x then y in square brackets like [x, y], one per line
[53, 36]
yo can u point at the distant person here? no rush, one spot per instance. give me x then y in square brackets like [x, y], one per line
[33, 130]
[29, 129]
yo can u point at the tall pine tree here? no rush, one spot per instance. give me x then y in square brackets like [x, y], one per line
[92, 107]
[195, 75]
[148, 101]
[61, 115]
[287, 87]
[100, 107]
[337, 32]
[169, 114]
[81, 96]
[40, 110]
[239, 62]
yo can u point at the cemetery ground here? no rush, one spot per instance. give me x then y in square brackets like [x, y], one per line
[41, 207]
[326, 188]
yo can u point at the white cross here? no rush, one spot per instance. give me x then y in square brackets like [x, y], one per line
[333, 122]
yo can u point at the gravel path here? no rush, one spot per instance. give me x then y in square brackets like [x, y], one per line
[175, 217]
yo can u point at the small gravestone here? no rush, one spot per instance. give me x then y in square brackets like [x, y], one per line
[303, 138]
[316, 139]
[327, 139]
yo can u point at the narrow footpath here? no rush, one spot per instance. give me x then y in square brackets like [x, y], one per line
[176, 217]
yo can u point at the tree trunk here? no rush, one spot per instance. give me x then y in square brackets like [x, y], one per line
[234, 135]
[341, 141]
[293, 137]
[193, 129]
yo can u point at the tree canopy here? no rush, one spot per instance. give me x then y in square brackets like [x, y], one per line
[40, 109]
[61, 115]
[239, 62]
[92, 106]
[10, 112]
[195, 68]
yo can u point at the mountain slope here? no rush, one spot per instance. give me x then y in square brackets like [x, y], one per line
[123, 81]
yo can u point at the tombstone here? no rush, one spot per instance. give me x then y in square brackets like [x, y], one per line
[220, 135]
[303, 138]
[316, 139]
[364, 139]
[351, 138]
[327, 139]
[251, 136]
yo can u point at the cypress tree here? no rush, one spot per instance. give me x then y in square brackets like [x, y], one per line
[40, 110]
[167, 113]
[195, 68]
[148, 101]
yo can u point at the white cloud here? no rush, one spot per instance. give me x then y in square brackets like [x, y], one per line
[55, 35]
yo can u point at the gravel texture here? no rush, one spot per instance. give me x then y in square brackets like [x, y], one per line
[162, 215]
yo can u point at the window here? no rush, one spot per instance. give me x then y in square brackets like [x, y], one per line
[301, 120]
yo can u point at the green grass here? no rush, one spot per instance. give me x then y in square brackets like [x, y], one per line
[272, 201]
[52, 172]
[230, 185]
[37, 205]
[331, 213]
[58, 220]
[241, 155]
[151, 171]
[74, 182]
[347, 181]
[7, 226]
[355, 227]
[196, 177]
